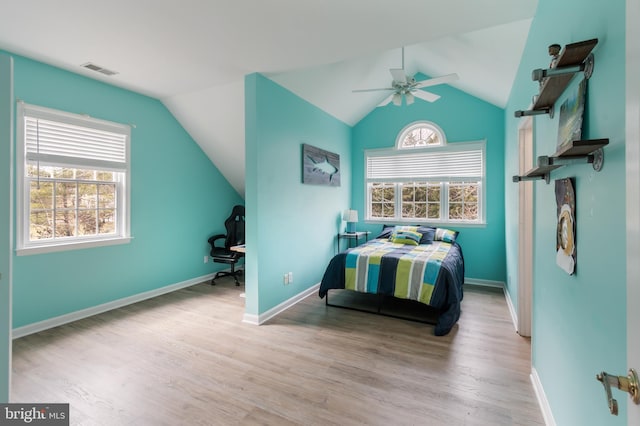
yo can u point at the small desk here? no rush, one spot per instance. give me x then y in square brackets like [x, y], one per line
[239, 248]
[353, 236]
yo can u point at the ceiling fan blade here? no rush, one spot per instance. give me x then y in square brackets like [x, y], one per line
[437, 80]
[386, 100]
[398, 75]
[425, 96]
[372, 90]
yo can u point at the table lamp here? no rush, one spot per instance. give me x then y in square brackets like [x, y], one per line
[351, 217]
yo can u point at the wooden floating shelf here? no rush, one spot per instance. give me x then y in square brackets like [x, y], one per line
[573, 54]
[540, 172]
[579, 148]
[589, 151]
[572, 59]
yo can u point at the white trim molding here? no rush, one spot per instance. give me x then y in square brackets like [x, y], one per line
[632, 158]
[95, 310]
[251, 319]
[483, 283]
[542, 398]
[525, 230]
[512, 309]
[266, 316]
[7, 218]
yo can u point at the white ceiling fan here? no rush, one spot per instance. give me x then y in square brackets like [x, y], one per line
[407, 87]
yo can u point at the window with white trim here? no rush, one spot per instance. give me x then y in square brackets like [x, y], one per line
[419, 135]
[439, 183]
[73, 180]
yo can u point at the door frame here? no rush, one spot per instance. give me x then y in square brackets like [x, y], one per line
[525, 228]
[632, 158]
[6, 281]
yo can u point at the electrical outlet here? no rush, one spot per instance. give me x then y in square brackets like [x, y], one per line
[290, 277]
[286, 279]
[206, 259]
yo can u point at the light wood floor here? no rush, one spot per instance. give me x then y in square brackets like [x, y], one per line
[187, 359]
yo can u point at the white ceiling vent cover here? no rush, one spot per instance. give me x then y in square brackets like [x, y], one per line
[98, 68]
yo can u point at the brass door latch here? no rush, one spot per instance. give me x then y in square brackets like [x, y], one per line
[628, 384]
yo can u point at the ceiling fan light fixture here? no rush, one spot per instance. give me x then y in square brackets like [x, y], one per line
[409, 98]
[403, 85]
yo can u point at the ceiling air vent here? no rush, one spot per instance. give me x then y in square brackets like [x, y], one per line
[98, 68]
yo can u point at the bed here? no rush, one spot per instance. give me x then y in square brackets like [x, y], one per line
[418, 263]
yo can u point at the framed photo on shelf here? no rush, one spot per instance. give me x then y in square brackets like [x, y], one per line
[572, 116]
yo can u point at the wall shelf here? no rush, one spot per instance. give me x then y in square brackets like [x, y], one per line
[582, 151]
[574, 58]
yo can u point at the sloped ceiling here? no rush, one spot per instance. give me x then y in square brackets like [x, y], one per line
[193, 54]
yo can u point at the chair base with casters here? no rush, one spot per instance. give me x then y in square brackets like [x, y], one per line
[233, 273]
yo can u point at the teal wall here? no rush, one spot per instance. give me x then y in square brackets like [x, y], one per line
[6, 104]
[579, 321]
[463, 118]
[291, 225]
[178, 199]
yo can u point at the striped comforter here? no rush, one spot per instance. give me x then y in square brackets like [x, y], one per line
[428, 273]
[416, 269]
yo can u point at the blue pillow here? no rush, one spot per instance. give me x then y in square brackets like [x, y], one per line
[428, 234]
[386, 232]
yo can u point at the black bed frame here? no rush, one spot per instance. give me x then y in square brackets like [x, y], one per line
[378, 311]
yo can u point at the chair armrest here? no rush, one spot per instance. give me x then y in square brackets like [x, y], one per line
[216, 237]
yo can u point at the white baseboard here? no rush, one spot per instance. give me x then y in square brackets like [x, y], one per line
[542, 398]
[483, 283]
[84, 313]
[262, 318]
[512, 309]
[251, 319]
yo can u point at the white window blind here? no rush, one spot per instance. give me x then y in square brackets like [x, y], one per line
[68, 139]
[74, 190]
[453, 165]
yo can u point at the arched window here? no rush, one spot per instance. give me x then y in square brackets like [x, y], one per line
[420, 134]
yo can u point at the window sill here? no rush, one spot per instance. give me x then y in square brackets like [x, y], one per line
[76, 245]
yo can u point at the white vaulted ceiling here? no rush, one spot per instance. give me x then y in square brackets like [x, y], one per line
[193, 54]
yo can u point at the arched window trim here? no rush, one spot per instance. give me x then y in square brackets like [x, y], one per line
[415, 125]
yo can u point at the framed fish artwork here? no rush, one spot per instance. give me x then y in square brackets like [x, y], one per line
[320, 167]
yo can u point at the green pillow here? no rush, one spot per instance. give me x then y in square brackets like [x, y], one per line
[405, 235]
[446, 235]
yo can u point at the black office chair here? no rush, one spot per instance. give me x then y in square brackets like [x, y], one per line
[234, 236]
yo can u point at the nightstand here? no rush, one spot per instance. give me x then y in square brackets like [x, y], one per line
[353, 236]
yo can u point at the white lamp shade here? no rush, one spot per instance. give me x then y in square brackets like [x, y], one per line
[350, 216]
[408, 98]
